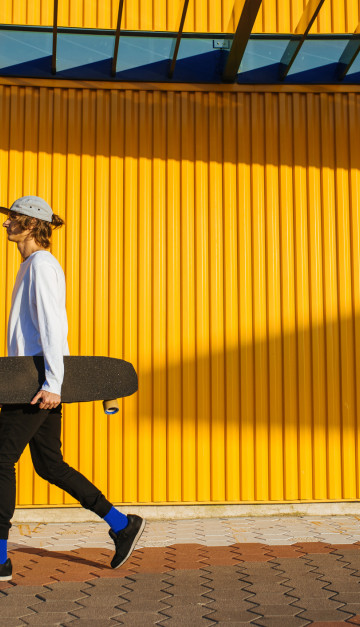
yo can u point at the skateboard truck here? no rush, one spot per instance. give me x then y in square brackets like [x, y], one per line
[111, 407]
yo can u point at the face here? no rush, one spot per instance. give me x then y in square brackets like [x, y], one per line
[14, 232]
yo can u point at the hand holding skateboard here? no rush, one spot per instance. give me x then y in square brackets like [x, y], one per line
[85, 379]
[49, 400]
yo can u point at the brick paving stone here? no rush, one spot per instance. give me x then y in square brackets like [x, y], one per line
[187, 577]
[310, 591]
[47, 619]
[215, 542]
[19, 591]
[314, 547]
[100, 612]
[139, 604]
[218, 556]
[234, 615]
[16, 601]
[325, 615]
[185, 590]
[341, 557]
[226, 577]
[101, 600]
[278, 610]
[273, 598]
[269, 586]
[160, 593]
[352, 548]
[151, 560]
[322, 604]
[346, 597]
[71, 593]
[246, 538]
[353, 607]
[54, 606]
[96, 622]
[183, 600]
[342, 585]
[11, 622]
[137, 620]
[192, 613]
[103, 584]
[291, 552]
[15, 611]
[275, 621]
[267, 578]
[158, 586]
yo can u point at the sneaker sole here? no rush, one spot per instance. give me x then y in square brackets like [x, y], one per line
[6, 578]
[133, 544]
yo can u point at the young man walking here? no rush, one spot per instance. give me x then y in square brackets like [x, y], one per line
[38, 326]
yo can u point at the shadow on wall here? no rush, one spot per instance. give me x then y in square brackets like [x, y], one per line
[286, 129]
[231, 408]
[274, 419]
[271, 420]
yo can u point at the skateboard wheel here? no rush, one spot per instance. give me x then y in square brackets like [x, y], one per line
[111, 407]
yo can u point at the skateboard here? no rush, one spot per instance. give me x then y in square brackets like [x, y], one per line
[85, 379]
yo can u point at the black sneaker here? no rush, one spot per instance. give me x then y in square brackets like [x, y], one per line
[126, 539]
[6, 570]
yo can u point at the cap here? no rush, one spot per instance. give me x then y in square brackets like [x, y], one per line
[32, 206]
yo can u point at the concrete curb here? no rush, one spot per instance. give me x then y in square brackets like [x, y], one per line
[191, 511]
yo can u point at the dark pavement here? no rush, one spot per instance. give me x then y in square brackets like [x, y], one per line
[284, 571]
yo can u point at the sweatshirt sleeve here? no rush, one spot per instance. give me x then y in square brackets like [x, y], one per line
[46, 290]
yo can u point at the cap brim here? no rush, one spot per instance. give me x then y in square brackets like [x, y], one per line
[4, 210]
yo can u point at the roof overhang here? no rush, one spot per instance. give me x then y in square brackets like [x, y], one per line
[161, 57]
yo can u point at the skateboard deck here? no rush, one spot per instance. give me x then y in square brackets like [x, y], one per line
[85, 379]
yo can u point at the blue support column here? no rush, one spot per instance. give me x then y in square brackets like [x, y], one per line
[245, 25]
[301, 32]
[349, 55]
[176, 44]
[117, 38]
[55, 21]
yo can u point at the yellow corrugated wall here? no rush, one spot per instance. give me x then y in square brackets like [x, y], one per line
[336, 16]
[213, 240]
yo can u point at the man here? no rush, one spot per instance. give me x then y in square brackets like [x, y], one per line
[38, 326]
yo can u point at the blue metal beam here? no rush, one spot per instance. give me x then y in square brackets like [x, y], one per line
[176, 43]
[245, 25]
[55, 22]
[117, 38]
[349, 55]
[301, 32]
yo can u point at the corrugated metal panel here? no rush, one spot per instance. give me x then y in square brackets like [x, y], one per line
[281, 16]
[212, 239]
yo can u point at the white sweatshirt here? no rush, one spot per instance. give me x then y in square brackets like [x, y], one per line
[38, 322]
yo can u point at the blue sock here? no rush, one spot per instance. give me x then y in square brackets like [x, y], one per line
[116, 520]
[3, 551]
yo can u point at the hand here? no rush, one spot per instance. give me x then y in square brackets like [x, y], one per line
[49, 400]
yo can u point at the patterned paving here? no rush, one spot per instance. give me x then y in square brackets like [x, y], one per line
[260, 571]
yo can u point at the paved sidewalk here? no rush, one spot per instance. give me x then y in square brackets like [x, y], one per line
[278, 571]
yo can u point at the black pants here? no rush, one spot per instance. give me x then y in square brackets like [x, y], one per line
[41, 429]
